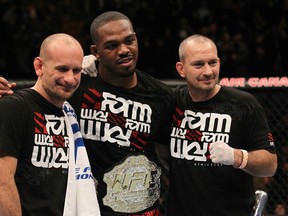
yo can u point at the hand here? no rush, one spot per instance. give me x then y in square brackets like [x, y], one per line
[6, 87]
[89, 65]
[220, 152]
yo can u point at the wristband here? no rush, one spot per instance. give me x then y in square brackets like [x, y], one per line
[245, 159]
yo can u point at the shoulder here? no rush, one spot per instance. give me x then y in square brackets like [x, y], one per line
[239, 96]
[152, 83]
[180, 91]
[18, 96]
[15, 107]
[237, 93]
[87, 80]
[18, 102]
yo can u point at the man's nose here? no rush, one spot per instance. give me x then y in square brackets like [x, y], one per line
[123, 49]
[69, 76]
[207, 69]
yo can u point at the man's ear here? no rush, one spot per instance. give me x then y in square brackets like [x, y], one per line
[179, 68]
[38, 64]
[94, 50]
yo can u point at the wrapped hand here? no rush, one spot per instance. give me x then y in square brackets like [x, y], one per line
[89, 65]
[220, 152]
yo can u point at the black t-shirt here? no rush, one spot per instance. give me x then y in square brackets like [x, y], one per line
[117, 125]
[33, 131]
[197, 186]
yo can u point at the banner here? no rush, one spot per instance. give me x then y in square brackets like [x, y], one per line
[255, 82]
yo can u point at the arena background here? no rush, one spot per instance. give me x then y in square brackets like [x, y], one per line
[251, 36]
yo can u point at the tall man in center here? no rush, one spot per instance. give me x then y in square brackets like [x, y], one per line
[123, 113]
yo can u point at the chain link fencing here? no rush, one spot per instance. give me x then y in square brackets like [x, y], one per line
[275, 103]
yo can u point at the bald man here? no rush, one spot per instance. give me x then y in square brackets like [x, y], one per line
[33, 134]
[225, 139]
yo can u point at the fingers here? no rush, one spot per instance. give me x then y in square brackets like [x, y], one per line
[215, 147]
[220, 152]
[213, 152]
[6, 92]
[5, 84]
[216, 154]
[6, 87]
[3, 81]
[89, 65]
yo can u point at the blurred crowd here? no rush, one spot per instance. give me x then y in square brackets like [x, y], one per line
[251, 34]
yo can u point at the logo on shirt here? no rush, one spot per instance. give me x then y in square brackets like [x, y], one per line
[191, 135]
[108, 118]
[50, 142]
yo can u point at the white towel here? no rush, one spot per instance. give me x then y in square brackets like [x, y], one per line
[81, 198]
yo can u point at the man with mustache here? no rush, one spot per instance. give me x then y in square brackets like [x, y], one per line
[123, 113]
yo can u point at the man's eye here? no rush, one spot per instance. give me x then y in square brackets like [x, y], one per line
[111, 46]
[130, 41]
[198, 65]
[213, 63]
[77, 71]
[62, 69]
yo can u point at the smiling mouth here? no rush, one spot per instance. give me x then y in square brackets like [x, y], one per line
[68, 88]
[206, 80]
[125, 60]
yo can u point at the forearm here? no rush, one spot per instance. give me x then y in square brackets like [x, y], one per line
[261, 163]
[9, 200]
[9, 197]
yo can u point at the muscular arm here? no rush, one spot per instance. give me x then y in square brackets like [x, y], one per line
[9, 197]
[261, 163]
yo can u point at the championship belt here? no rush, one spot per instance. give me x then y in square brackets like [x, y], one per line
[132, 186]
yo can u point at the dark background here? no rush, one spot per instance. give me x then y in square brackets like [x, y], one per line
[251, 35]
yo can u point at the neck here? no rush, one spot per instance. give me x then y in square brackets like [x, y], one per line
[38, 88]
[200, 96]
[117, 80]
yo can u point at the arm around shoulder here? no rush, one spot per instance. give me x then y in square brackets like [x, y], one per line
[9, 197]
